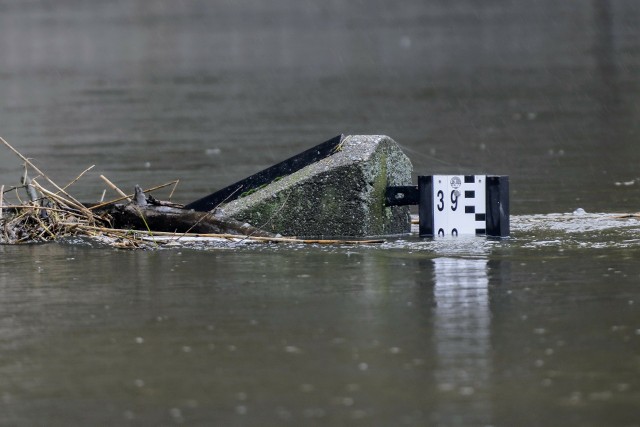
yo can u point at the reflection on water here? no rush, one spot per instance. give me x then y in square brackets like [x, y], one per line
[462, 324]
[277, 335]
[462, 338]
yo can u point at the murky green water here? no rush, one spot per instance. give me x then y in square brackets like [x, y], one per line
[540, 329]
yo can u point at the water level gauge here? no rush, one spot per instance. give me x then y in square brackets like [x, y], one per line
[454, 205]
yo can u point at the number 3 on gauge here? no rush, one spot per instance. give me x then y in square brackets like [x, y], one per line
[440, 200]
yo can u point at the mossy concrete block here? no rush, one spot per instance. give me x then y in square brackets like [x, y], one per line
[341, 195]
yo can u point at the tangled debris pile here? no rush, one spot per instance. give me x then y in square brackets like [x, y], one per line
[49, 213]
[44, 214]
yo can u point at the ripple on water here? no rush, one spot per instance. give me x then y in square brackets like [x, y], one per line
[590, 231]
[556, 230]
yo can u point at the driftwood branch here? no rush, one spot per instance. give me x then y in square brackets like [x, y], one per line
[173, 220]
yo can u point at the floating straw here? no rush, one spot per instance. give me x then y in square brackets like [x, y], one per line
[77, 204]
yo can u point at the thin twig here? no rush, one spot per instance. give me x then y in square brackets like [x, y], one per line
[1, 200]
[174, 189]
[35, 168]
[43, 208]
[158, 187]
[115, 188]
[144, 220]
[53, 236]
[10, 189]
[18, 194]
[209, 213]
[29, 189]
[79, 176]
[59, 199]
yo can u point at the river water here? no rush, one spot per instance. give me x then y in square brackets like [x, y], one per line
[539, 329]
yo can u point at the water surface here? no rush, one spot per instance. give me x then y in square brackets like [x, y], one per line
[540, 329]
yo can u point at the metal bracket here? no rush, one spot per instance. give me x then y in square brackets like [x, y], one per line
[402, 195]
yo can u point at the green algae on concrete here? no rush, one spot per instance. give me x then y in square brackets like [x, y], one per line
[341, 195]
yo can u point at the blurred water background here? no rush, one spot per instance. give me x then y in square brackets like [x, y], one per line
[541, 329]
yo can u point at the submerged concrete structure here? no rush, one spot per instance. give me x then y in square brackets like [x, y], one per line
[340, 195]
